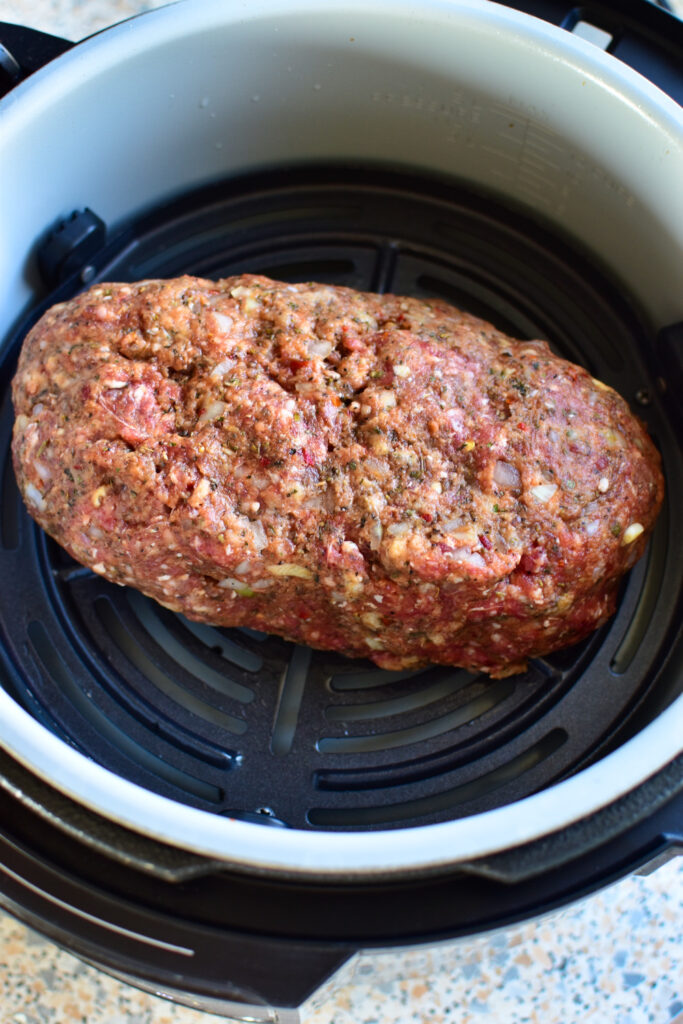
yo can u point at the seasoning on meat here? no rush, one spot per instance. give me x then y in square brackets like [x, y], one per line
[375, 475]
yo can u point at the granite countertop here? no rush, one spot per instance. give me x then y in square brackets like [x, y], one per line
[616, 958]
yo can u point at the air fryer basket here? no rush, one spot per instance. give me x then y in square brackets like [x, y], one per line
[245, 725]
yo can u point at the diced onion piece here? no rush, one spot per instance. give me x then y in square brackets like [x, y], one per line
[631, 533]
[454, 418]
[374, 467]
[460, 533]
[296, 491]
[592, 528]
[506, 475]
[224, 323]
[313, 501]
[603, 484]
[34, 496]
[242, 568]
[473, 558]
[396, 529]
[199, 493]
[211, 413]
[305, 387]
[401, 370]
[258, 533]
[373, 620]
[291, 569]
[319, 348]
[458, 553]
[374, 643]
[464, 555]
[386, 399]
[543, 492]
[241, 292]
[43, 471]
[220, 369]
[260, 584]
[375, 535]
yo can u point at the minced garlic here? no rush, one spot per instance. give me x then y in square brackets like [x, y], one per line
[631, 533]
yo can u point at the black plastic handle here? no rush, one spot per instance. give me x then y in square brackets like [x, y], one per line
[629, 820]
[167, 863]
[25, 50]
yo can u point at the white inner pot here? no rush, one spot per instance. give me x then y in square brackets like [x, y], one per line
[467, 89]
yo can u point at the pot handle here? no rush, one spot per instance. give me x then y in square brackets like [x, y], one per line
[25, 50]
[646, 825]
[129, 848]
[647, 37]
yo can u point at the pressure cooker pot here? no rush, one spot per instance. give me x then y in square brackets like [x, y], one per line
[220, 815]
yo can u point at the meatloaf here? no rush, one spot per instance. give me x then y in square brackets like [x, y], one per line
[374, 475]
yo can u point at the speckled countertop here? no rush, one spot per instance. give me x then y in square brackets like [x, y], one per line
[616, 958]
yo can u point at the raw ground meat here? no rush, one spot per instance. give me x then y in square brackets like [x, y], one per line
[375, 475]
